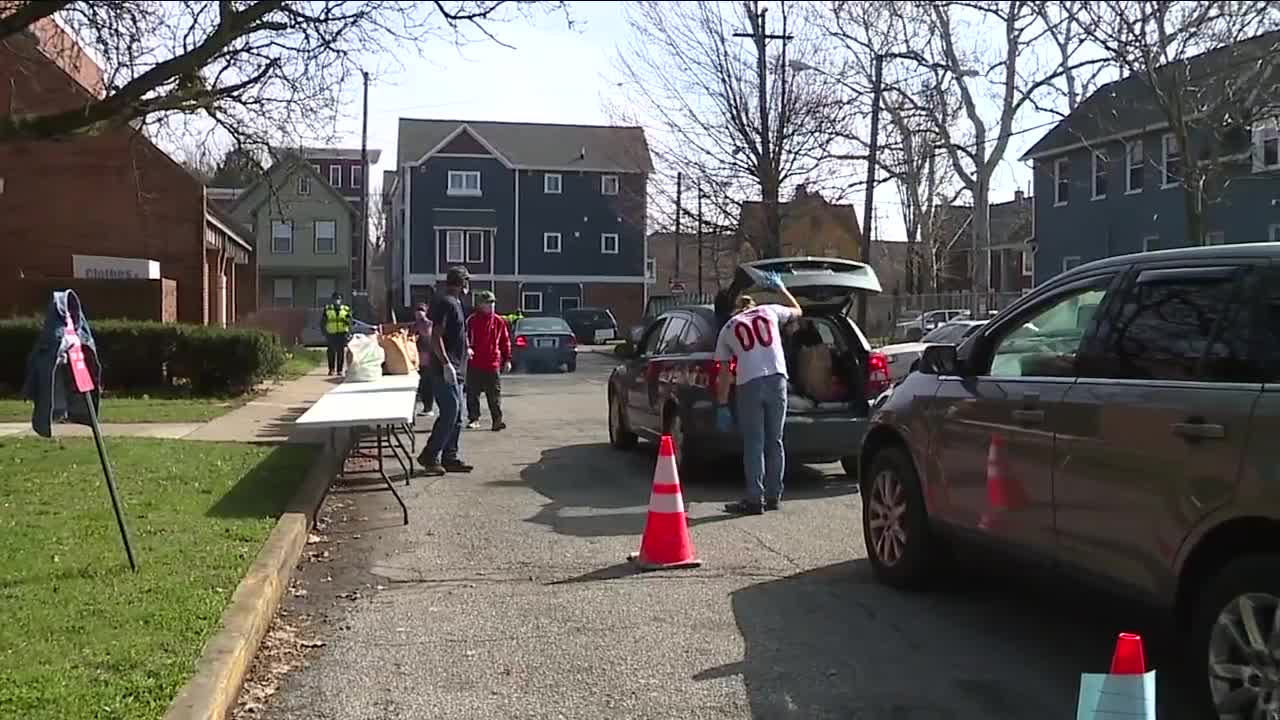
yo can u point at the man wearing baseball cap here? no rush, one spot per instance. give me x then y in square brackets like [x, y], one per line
[448, 369]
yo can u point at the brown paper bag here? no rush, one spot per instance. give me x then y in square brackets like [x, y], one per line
[398, 360]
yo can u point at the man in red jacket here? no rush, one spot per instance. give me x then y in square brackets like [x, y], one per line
[492, 345]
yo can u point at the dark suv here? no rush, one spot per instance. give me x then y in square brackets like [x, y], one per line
[592, 326]
[1116, 424]
[666, 387]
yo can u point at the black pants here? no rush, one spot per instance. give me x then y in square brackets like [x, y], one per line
[488, 382]
[336, 353]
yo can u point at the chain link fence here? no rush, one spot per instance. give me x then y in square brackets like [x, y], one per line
[900, 317]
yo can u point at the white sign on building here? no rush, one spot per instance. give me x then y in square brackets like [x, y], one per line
[99, 267]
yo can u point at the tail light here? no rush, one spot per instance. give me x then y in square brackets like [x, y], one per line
[877, 375]
[521, 341]
[706, 373]
[573, 340]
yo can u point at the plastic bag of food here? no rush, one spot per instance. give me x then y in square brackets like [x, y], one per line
[364, 358]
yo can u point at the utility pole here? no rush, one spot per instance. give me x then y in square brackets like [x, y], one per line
[679, 212]
[869, 197]
[699, 238]
[765, 167]
[364, 188]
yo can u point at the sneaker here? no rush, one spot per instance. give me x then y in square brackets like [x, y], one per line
[456, 466]
[773, 503]
[744, 507]
[432, 469]
[473, 425]
[497, 427]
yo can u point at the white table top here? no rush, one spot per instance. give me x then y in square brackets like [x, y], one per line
[386, 382]
[391, 406]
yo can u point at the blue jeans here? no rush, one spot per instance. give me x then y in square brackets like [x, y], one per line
[762, 407]
[443, 442]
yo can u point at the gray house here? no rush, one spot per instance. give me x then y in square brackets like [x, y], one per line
[550, 217]
[302, 228]
[1107, 178]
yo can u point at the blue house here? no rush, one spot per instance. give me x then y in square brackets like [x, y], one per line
[1108, 177]
[550, 217]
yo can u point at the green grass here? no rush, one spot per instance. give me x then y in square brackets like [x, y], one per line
[138, 409]
[301, 361]
[80, 635]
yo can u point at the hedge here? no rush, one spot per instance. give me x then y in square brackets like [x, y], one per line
[136, 356]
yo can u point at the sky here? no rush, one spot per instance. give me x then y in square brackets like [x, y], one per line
[557, 74]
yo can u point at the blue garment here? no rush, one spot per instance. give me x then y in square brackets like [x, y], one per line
[48, 383]
[447, 430]
[762, 408]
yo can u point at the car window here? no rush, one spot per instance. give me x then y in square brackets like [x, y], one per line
[544, 324]
[1045, 339]
[949, 333]
[692, 339]
[653, 338]
[670, 342]
[1182, 324]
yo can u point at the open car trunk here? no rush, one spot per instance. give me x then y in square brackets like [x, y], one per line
[826, 353]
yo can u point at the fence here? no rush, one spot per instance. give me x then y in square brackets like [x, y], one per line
[886, 313]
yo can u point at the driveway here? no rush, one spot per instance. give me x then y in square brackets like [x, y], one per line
[507, 597]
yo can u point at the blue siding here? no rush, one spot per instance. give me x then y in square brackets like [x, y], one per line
[551, 295]
[581, 214]
[430, 192]
[1116, 225]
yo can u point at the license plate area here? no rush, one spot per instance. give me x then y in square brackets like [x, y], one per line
[544, 342]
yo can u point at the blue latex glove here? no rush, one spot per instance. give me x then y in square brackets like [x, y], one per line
[771, 281]
[724, 419]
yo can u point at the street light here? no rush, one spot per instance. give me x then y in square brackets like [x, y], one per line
[876, 86]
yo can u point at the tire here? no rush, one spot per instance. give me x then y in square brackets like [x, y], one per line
[620, 435]
[573, 366]
[687, 456]
[912, 561]
[850, 466]
[1258, 578]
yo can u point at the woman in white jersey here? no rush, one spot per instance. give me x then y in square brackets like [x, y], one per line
[753, 336]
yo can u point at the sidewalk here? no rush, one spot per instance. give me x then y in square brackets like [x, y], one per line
[266, 419]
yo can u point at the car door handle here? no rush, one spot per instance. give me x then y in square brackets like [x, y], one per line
[1029, 417]
[1199, 430]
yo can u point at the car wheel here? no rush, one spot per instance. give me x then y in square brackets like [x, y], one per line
[1234, 637]
[895, 526]
[686, 457]
[573, 366]
[620, 435]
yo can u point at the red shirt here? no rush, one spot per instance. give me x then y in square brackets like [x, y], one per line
[489, 339]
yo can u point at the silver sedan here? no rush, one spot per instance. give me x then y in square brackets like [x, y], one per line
[902, 357]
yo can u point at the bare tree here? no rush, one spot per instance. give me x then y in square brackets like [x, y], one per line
[1208, 70]
[1063, 22]
[258, 69]
[698, 88]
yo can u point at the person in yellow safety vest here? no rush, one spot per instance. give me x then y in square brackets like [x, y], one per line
[335, 323]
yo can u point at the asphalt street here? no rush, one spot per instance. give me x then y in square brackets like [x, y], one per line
[508, 596]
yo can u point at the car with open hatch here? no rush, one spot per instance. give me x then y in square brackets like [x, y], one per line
[1115, 425]
[666, 385]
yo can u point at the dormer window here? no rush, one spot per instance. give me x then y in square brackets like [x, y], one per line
[464, 182]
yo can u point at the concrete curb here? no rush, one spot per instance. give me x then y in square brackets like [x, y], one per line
[212, 692]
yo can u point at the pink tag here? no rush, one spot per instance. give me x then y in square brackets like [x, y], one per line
[75, 356]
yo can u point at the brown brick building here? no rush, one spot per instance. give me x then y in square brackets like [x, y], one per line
[111, 194]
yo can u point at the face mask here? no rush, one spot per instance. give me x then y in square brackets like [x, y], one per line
[486, 309]
[420, 314]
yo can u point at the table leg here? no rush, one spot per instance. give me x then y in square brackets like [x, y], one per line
[383, 472]
[392, 434]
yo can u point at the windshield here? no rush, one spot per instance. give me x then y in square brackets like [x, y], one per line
[534, 325]
[950, 333]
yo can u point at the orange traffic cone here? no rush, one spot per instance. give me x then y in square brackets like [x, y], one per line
[666, 544]
[1002, 491]
[1129, 690]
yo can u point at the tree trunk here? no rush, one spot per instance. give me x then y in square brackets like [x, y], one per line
[980, 267]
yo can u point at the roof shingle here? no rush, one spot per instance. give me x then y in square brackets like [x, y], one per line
[590, 148]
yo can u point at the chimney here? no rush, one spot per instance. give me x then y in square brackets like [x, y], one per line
[801, 191]
[1018, 197]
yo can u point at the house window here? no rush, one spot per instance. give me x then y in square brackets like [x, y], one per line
[1134, 158]
[551, 184]
[357, 176]
[316, 167]
[324, 290]
[335, 175]
[570, 303]
[1069, 262]
[304, 184]
[531, 301]
[475, 246]
[1217, 237]
[282, 292]
[281, 237]
[608, 184]
[326, 237]
[464, 182]
[1266, 145]
[454, 247]
[1172, 159]
[609, 243]
[1150, 242]
[1099, 175]
[1061, 181]
[1028, 263]
[651, 266]
[551, 242]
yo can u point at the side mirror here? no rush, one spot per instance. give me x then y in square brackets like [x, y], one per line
[636, 332]
[939, 360]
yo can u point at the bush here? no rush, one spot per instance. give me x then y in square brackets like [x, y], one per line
[140, 356]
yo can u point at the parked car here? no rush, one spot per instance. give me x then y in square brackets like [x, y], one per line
[902, 357]
[918, 324]
[543, 343]
[1116, 425]
[592, 326]
[667, 385]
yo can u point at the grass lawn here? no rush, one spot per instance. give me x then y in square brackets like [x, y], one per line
[138, 409]
[302, 361]
[80, 635]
